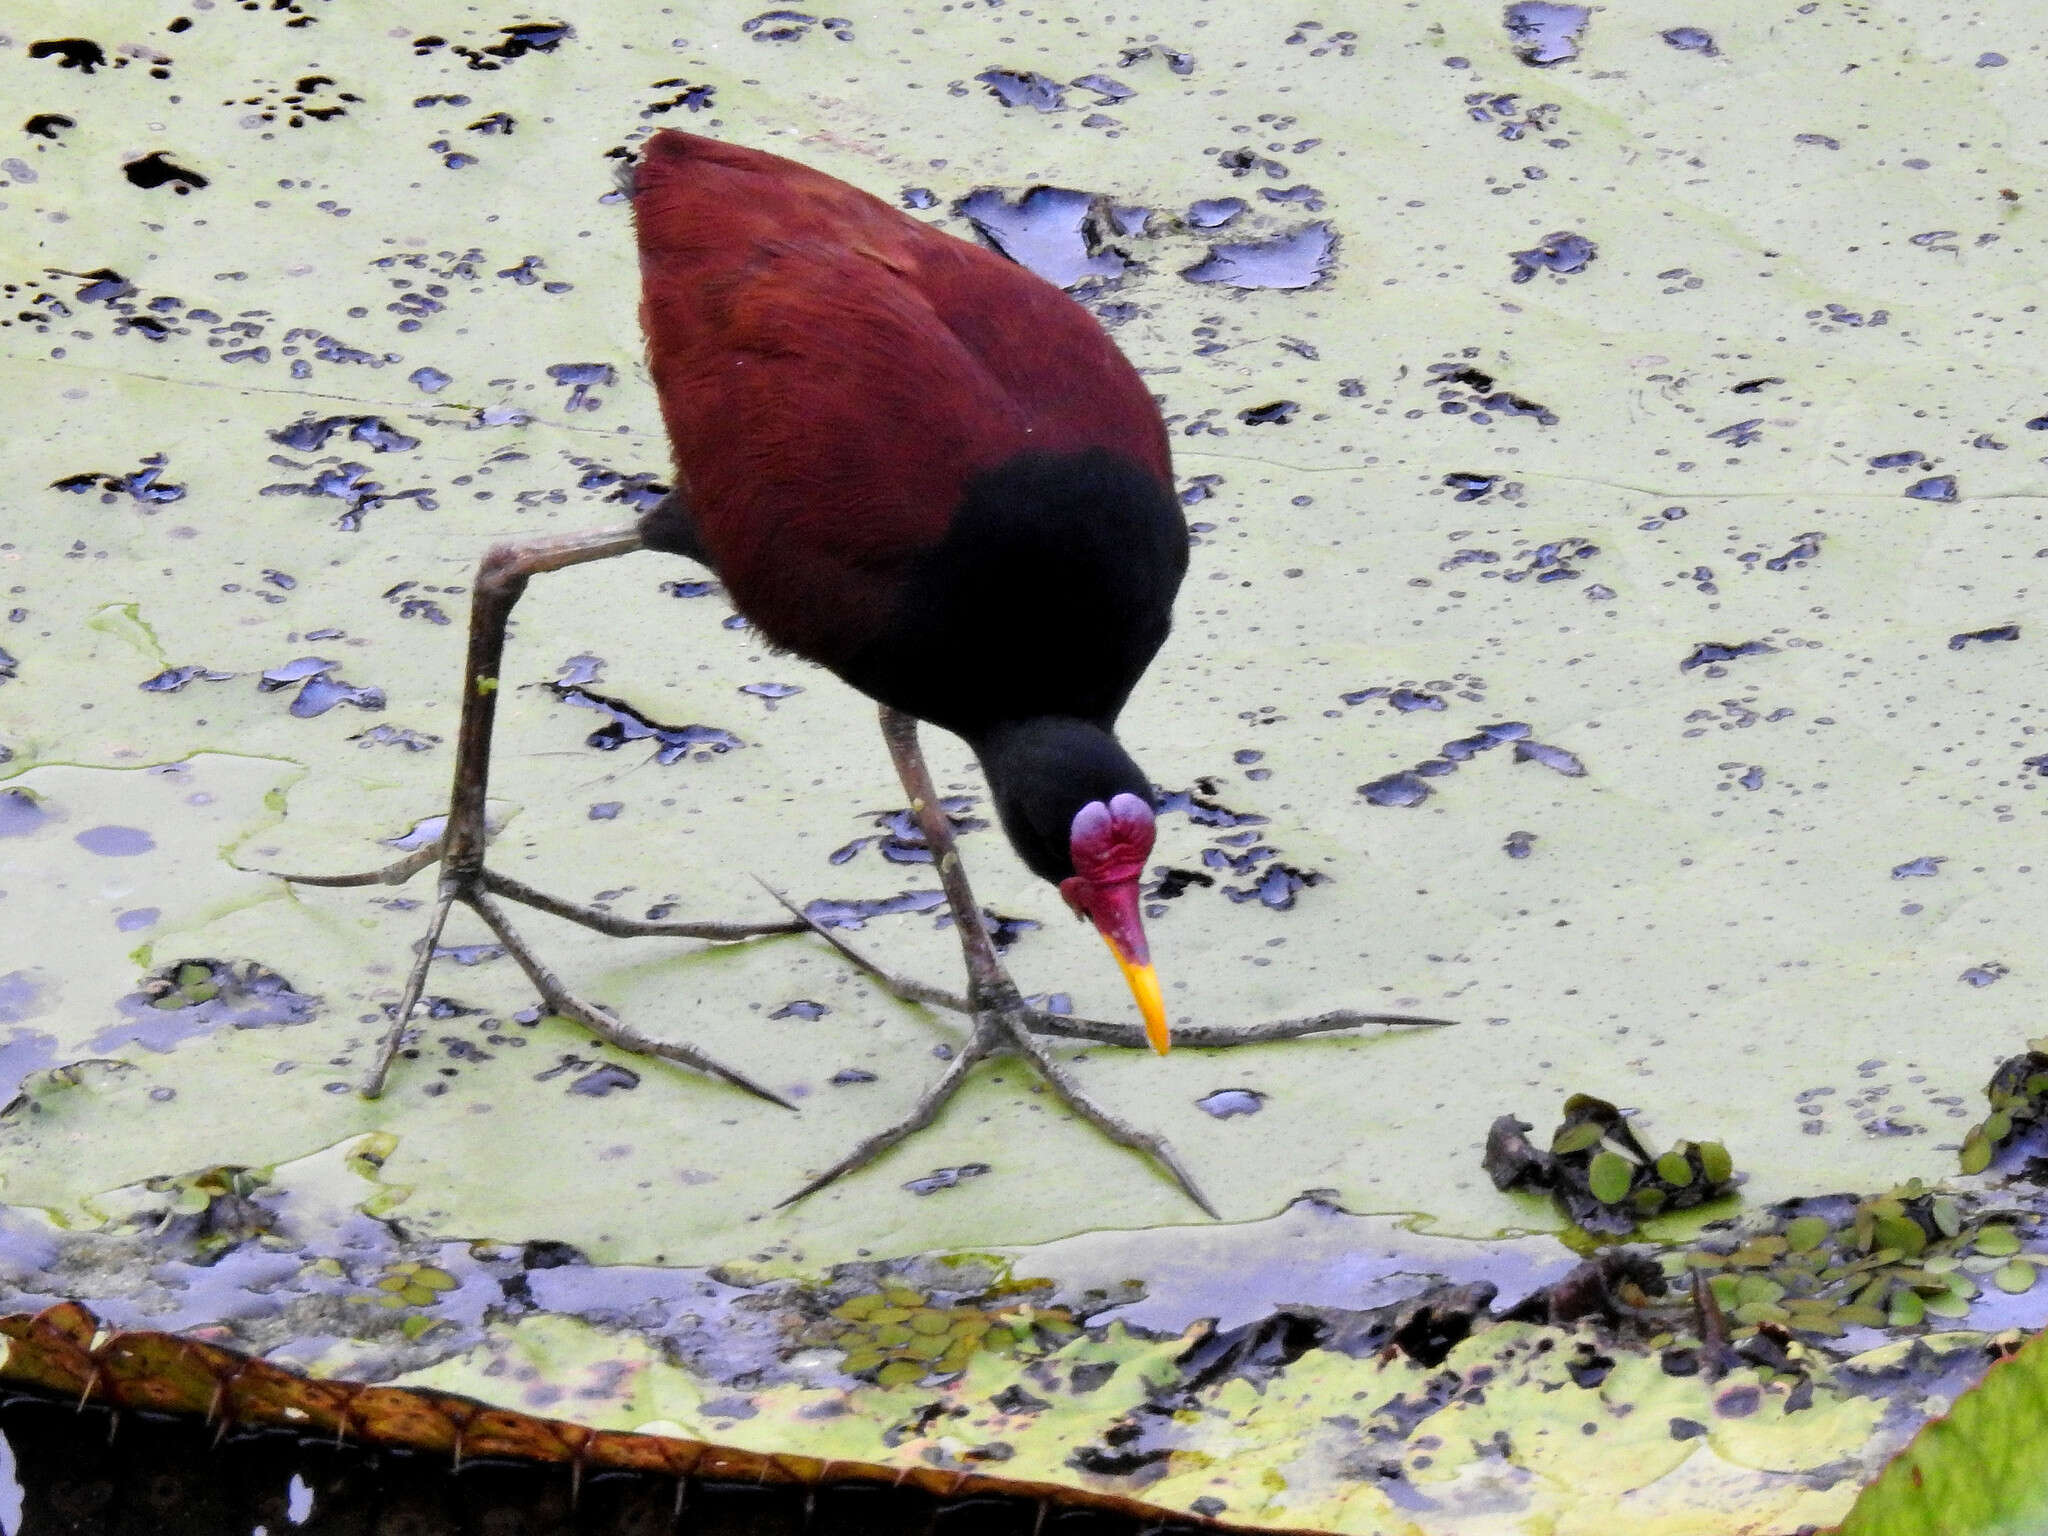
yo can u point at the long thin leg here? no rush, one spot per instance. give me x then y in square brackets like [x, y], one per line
[500, 581]
[1221, 1036]
[988, 984]
[401, 870]
[1000, 1018]
[900, 987]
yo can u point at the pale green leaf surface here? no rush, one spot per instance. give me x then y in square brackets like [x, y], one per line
[1700, 951]
[1663, 925]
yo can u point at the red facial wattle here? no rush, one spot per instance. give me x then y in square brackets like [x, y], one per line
[1109, 844]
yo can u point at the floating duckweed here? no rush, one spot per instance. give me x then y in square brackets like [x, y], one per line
[896, 1336]
[215, 1203]
[1759, 1252]
[1946, 1304]
[1574, 1138]
[190, 984]
[1897, 1232]
[1609, 1177]
[1996, 1241]
[1672, 1168]
[1907, 1258]
[1754, 1288]
[1976, 1154]
[1829, 1327]
[242, 993]
[410, 1284]
[2014, 1277]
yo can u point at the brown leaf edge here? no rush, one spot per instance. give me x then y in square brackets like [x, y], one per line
[65, 1350]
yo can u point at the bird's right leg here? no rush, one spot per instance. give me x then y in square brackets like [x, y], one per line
[1001, 1019]
[500, 580]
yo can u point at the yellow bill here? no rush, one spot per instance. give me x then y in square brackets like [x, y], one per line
[1144, 981]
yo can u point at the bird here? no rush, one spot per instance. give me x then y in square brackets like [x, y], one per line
[900, 452]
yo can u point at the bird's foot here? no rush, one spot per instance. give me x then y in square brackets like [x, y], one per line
[1003, 1022]
[476, 888]
[1041, 1021]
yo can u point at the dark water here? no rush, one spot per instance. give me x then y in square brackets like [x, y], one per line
[71, 1472]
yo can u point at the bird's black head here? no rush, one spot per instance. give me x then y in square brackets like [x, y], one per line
[1079, 813]
[1042, 772]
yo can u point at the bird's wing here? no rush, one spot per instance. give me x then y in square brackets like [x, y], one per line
[831, 372]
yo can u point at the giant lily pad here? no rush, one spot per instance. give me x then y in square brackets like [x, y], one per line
[1613, 460]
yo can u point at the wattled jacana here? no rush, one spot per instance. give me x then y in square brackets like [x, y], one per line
[897, 450]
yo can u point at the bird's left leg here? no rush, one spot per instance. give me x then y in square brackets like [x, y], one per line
[1001, 1020]
[500, 581]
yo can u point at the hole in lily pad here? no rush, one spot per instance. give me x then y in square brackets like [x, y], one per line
[188, 998]
[1226, 1102]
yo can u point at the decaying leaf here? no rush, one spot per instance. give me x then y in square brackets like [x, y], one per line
[1601, 1176]
[2018, 1092]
